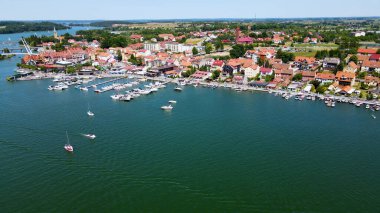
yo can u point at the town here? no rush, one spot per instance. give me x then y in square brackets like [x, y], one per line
[335, 58]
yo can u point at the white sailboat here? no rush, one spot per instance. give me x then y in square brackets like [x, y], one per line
[67, 146]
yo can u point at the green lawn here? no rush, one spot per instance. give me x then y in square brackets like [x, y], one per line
[305, 54]
[330, 45]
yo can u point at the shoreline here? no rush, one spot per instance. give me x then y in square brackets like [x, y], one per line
[237, 87]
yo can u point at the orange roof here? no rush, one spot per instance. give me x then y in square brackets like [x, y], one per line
[372, 64]
[341, 74]
[367, 51]
[309, 60]
[325, 75]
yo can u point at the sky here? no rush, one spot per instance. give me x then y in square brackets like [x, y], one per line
[182, 9]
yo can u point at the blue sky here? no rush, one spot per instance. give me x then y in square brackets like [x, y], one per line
[167, 9]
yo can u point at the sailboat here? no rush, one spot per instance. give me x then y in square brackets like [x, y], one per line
[89, 113]
[67, 146]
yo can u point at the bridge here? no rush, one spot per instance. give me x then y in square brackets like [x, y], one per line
[20, 50]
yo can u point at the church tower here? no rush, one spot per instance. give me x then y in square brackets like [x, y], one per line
[55, 34]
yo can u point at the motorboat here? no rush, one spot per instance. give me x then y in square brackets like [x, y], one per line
[373, 116]
[89, 136]
[172, 101]
[167, 107]
[178, 89]
[91, 114]
[84, 88]
[116, 96]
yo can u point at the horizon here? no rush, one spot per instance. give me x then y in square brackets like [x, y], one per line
[195, 19]
[171, 10]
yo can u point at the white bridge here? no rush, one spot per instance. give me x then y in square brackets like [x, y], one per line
[26, 47]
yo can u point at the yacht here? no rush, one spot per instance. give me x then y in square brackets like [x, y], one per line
[67, 146]
[89, 136]
[116, 96]
[179, 89]
[167, 107]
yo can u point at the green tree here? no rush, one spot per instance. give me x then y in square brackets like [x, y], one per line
[215, 74]
[219, 45]
[354, 58]
[297, 77]
[208, 48]
[195, 51]
[119, 55]
[237, 51]
[71, 70]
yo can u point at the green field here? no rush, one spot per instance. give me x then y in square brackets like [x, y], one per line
[305, 54]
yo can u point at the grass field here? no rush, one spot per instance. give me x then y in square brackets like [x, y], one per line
[305, 54]
[330, 45]
[194, 41]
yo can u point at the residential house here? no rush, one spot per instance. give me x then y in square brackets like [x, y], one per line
[325, 77]
[308, 76]
[345, 78]
[371, 66]
[331, 63]
[367, 51]
[351, 67]
[374, 57]
[265, 71]
[251, 71]
[372, 81]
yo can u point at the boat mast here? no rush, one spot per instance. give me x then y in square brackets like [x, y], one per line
[67, 136]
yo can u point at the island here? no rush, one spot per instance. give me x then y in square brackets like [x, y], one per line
[7, 27]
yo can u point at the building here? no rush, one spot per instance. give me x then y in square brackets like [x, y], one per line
[308, 76]
[153, 47]
[367, 51]
[358, 34]
[371, 66]
[345, 78]
[331, 63]
[251, 71]
[325, 78]
[351, 67]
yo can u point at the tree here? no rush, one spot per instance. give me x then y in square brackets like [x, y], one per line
[297, 77]
[6, 50]
[315, 83]
[284, 56]
[215, 74]
[219, 45]
[354, 58]
[119, 55]
[195, 51]
[208, 48]
[261, 62]
[237, 51]
[70, 70]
